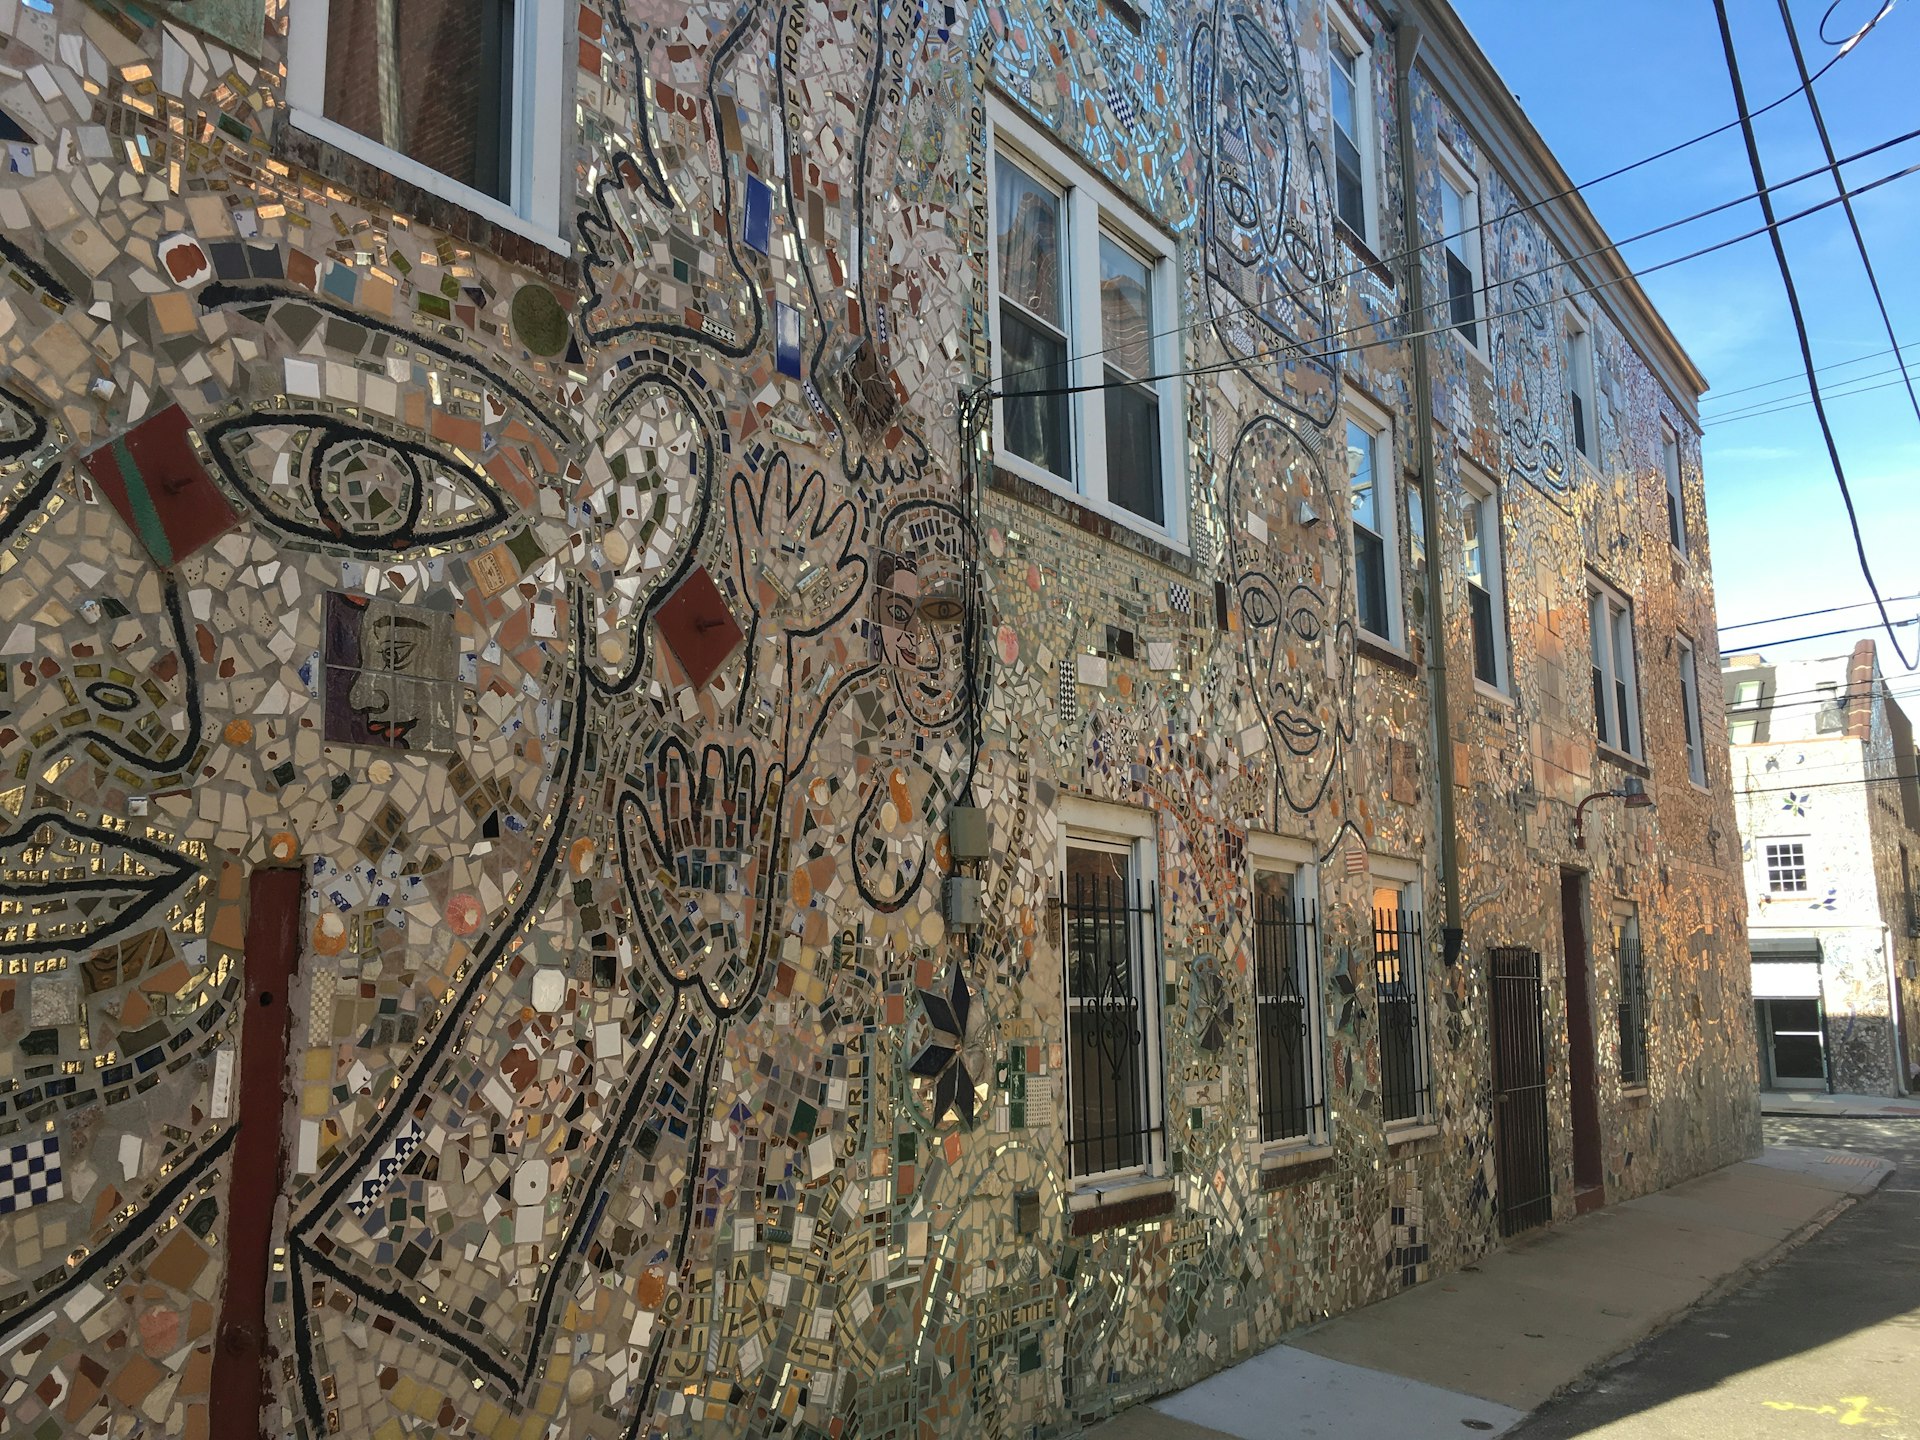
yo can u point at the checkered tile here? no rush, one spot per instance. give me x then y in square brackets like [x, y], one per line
[30, 1174]
[392, 1161]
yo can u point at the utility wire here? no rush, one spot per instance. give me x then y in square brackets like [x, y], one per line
[1800, 323]
[1410, 251]
[1891, 625]
[1297, 350]
[1800, 376]
[1752, 710]
[1810, 614]
[1821, 784]
[1839, 184]
[1762, 411]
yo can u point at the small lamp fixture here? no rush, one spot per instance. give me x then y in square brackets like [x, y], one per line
[1631, 790]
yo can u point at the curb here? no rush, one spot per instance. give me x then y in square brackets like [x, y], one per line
[1734, 1280]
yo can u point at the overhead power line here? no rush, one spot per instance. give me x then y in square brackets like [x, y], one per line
[1840, 185]
[1810, 614]
[1800, 376]
[1800, 322]
[1762, 411]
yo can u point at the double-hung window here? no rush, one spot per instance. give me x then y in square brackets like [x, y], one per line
[1350, 103]
[1690, 713]
[1288, 1027]
[1400, 995]
[1676, 497]
[1110, 943]
[1084, 336]
[462, 98]
[1577, 356]
[1376, 553]
[1616, 696]
[1482, 562]
[1631, 1005]
[1786, 866]
[1460, 248]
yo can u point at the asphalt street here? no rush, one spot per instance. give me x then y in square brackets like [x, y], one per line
[1824, 1343]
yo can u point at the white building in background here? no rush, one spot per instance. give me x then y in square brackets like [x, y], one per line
[1825, 789]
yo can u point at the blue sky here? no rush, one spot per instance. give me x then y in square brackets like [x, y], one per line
[1607, 83]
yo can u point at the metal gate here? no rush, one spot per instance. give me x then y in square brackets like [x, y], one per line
[1520, 1091]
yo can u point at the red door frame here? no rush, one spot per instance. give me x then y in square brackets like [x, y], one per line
[240, 1391]
[1583, 1067]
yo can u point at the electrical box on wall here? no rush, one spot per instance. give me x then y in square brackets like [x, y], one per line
[963, 902]
[967, 832]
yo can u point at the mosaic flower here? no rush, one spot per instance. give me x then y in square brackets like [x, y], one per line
[943, 1059]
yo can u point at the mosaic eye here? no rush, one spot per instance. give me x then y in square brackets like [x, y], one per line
[111, 695]
[348, 485]
[1305, 623]
[1260, 606]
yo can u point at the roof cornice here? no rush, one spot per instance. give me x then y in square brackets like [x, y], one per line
[1460, 70]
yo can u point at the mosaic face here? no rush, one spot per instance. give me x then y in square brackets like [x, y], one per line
[1265, 216]
[1297, 629]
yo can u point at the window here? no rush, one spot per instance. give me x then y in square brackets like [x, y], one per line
[1350, 102]
[1109, 923]
[1376, 557]
[1632, 1002]
[1740, 732]
[1690, 714]
[484, 132]
[1577, 354]
[1676, 497]
[1616, 716]
[1460, 248]
[1486, 587]
[1083, 302]
[1399, 997]
[1786, 862]
[1288, 1046]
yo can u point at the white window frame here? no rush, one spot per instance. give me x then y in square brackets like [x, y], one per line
[544, 36]
[1454, 172]
[1768, 868]
[1483, 496]
[1390, 871]
[1296, 858]
[1676, 488]
[1580, 381]
[1343, 32]
[1370, 417]
[1628, 738]
[1100, 824]
[1089, 208]
[1690, 721]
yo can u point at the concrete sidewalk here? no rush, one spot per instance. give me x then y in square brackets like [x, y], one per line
[1475, 1351]
[1817, 1104]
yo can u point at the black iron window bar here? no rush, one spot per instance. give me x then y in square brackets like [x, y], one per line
[1633, 1013]
[1113, 1120]
[1287, 1018]
[1399, 960]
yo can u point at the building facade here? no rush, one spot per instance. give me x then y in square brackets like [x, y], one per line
[1824, 785]
[787, 720]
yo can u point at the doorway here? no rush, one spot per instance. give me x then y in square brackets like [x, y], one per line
[1589, 1176]
[1792, 1043]
[1522, 1159]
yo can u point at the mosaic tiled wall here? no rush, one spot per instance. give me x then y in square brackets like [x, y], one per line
[606, 641]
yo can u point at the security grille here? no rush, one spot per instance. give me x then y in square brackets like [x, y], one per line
[1633, 1013]
[1287, 1039]
[1398, 962]
[1107, 919]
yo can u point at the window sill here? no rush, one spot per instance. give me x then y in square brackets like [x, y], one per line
[1635, 1095]
[1493, 694]
[1621, 760]
[1386, 653]
[1402, 1133]
[1284, 1162]
[369, 168]
[1106, 1205]
[1100, 524]
[1364, 253]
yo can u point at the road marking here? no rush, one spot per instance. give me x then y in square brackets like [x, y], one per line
[1859, 1410]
